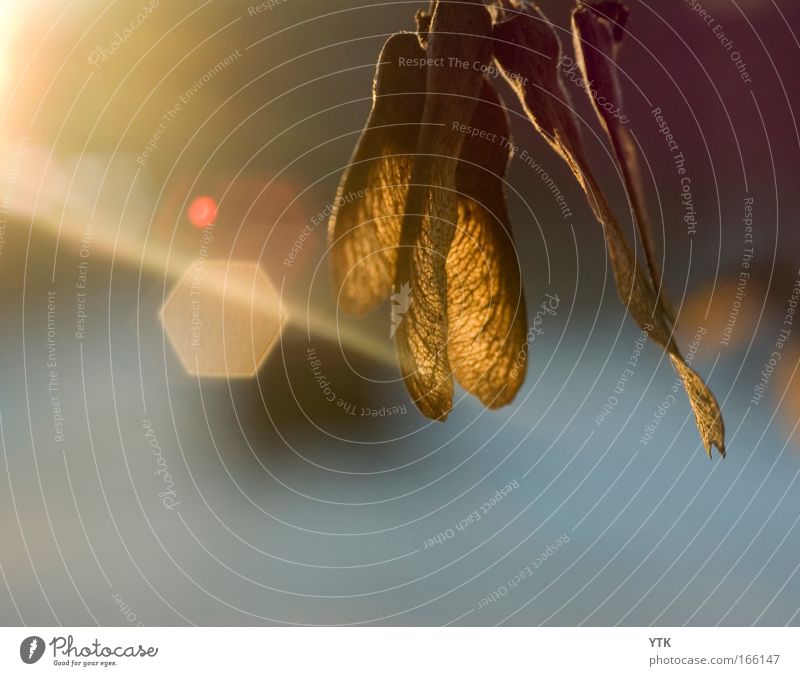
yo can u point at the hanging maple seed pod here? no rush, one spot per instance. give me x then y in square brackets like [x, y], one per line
[459, 34]
[434, 224]
[487, 319]
[365, 227]
[486, 305]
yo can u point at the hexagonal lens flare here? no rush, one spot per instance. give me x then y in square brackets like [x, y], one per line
[223, 319]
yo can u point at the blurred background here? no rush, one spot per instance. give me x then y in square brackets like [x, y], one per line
[142, 141]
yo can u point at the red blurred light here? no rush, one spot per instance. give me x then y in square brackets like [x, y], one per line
[202, 212]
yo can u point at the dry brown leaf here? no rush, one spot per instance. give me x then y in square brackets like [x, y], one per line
[458, 31]
[598, 30]
[533, 73]
[365, 228]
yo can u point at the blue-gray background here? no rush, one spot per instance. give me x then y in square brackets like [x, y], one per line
[292, 511]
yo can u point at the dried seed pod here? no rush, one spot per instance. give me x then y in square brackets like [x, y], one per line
[365, 225]
[485, 327]
[485, 303]
[458, 45]
[528, 52]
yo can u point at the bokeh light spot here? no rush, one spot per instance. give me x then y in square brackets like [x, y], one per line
[202, 211]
